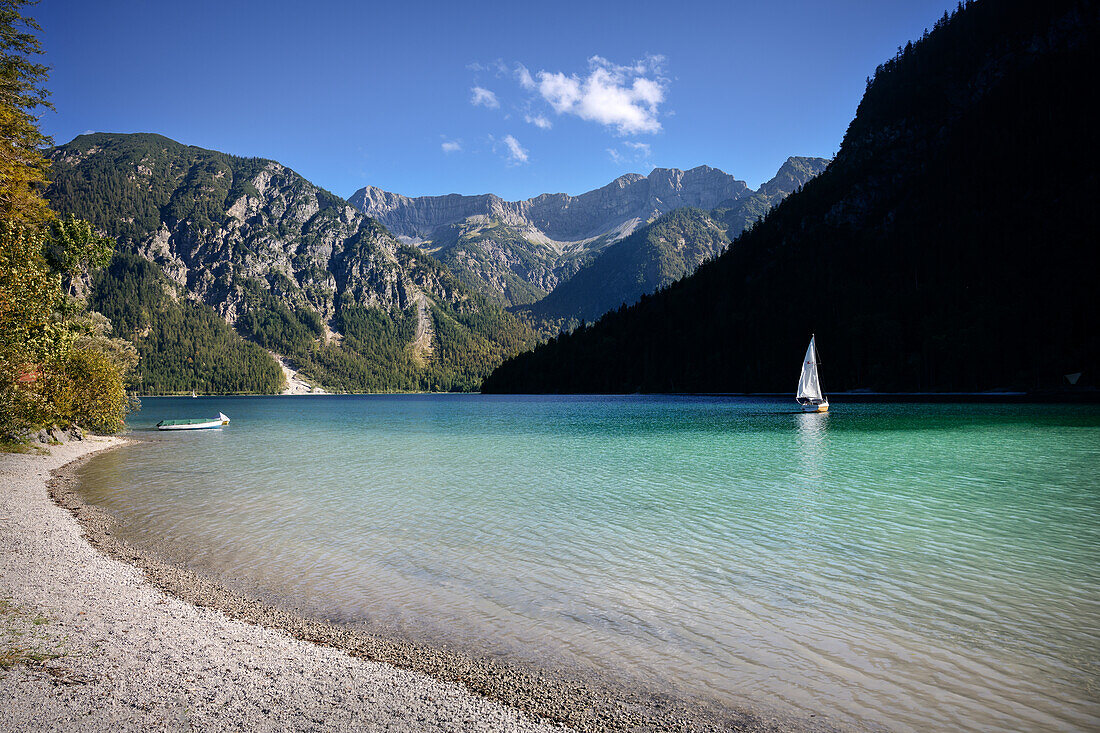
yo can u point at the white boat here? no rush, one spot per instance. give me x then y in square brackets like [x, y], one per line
[809, 384]
[199, 424]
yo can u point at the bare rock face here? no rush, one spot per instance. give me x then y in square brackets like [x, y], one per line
[215, 221]
[556, 216]
[520, 251]
[790, 177]
[288, 265]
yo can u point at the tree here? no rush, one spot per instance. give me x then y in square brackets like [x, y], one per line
[31, 339]
[57, 362]
[76, 250]
[22, 167]
[97, 366]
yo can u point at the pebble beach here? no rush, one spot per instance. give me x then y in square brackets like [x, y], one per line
[130, 656]
[100, 636]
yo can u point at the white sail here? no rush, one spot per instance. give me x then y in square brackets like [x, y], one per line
[809, 384]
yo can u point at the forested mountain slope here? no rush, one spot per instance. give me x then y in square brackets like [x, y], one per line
[654, 256]
[289, 265]
[949, 246]
[184, 344]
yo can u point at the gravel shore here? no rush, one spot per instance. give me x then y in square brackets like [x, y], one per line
[117, 638]
[134, 657]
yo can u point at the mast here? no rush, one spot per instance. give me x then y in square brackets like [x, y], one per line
[817, 362]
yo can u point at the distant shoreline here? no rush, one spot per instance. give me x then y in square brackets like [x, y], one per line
[1083, 396]
[1086, 395]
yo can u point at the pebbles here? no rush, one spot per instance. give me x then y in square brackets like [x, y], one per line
[153, 645]
[135, 658]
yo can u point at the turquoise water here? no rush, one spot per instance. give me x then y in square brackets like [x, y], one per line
[909, 566]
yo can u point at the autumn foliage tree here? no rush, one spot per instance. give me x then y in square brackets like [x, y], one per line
[32, 340]
[58, 362]
[22, 94]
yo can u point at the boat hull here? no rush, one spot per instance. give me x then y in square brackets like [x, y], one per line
[221, 419]
[196, 426]
[823, 407]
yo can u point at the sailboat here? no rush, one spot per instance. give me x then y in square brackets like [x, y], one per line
[809, 384]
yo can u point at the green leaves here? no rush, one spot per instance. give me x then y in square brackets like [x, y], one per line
[30, 338]
[22, 167]
[58, 363]
[75, 250]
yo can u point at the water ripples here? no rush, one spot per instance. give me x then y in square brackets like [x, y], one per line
[925, 567]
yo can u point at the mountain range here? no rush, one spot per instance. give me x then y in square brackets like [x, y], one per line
[950, 246]
[220, 253]
[669, 248]
[290, 266]
[518, 252]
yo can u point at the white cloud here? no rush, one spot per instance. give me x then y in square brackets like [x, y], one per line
[539, 121]
[651, 64]
[525, 79]
[623, 97]
[516, 152]
[484, 98]
[498, 67]
[451, 146]
[631, 152]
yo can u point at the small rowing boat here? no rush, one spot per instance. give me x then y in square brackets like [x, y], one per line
[199, 424]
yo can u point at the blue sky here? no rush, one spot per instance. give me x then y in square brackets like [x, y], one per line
[511, 98]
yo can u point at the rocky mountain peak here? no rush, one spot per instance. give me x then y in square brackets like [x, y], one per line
[284, 261]
[615, 209]
[792, 175]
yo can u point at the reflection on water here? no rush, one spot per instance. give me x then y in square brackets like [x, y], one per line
[932, 569]
[813, 428]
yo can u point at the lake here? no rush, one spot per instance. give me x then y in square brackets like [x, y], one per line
[917, 566]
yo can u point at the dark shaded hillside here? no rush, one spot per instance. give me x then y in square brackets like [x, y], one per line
[665, 250]
[950, 246]
[655, 255]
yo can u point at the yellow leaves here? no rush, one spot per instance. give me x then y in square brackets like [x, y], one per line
[56, 362]
[98, 397]
[79, 374]
[22, 169]
[29, 294]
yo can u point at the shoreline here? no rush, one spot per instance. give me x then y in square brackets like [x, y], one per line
[124, 655]
[513, 698]
[1084, 396]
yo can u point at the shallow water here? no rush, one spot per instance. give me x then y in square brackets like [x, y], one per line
[909, 566]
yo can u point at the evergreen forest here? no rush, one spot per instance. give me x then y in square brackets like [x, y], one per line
[949, 246]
